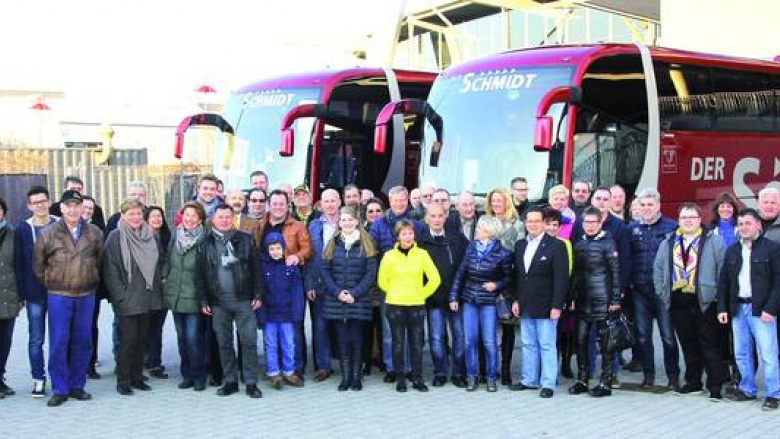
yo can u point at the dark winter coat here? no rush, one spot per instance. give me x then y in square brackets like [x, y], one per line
[645, 240]
[29, 287]
[133, 298]
[9, 298]
[447, 253]
[284, 298]
[246, 272]
[764, 278]
[473, 271]
[596, 276]
[348, 270]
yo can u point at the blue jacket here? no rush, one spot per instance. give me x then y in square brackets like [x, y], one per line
[494, 266]
[313, 279]
[284, 299]
[645, 240]
[348, 270]
[383, 229]
[28, 286]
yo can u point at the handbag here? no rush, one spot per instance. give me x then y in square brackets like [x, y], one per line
[504, 310]
[619, 332]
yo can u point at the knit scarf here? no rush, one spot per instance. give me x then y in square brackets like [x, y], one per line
[350, 239]
[210, 207]
[140, 247]
[684, 262]
[186, 239]
[224, 238]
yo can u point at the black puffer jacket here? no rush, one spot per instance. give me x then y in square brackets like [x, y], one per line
[447, 253]
[349, 270]
[596, 275]
[474, 271]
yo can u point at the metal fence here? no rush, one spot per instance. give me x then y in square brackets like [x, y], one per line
[22, 167]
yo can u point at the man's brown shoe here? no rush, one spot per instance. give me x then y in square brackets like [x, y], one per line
[277, 382]
[294, 380]
[321, 375]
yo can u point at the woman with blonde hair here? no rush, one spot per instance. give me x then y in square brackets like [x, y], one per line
[349, 271]
[558, 197]
[499, 205]
[483, 274]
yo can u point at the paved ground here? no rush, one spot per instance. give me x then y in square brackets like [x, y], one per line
[318, 410]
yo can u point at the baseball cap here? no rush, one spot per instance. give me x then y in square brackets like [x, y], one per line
[301, 188]
[71, 195]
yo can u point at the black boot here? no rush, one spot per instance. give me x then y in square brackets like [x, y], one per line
[506, 362]
[346, 376]
[357, 369]
[567, 351]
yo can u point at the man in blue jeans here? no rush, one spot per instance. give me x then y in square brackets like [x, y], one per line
[749, 293]
[446, 248]
[32, 292]
[647, 234]
[66, 258]
[321, 230]
[542, 284]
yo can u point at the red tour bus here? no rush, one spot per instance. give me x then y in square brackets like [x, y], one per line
[691, 124]
[331, 144]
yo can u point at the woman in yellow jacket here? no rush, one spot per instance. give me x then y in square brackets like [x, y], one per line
[408, 276]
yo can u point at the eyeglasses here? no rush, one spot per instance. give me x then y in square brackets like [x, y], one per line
[257, 200]
[689, 217]
[39, 202]
[374, 211]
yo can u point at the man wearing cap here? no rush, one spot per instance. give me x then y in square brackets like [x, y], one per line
[66, 258]
[302, 209]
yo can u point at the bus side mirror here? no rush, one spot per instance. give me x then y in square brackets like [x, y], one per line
[380, 139]
[288, 143]
[287, 148]
[543, 134]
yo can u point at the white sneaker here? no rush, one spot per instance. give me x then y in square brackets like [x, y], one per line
[39, 388]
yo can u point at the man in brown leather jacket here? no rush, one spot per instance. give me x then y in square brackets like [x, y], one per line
[66, 258]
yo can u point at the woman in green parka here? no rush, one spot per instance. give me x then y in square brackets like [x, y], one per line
[9, 299]
[180, 295]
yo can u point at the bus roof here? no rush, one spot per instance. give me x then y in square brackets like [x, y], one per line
[330, 78]
[574, 55]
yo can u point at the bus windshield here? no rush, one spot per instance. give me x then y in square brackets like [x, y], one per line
[488, 125]
[256, 117]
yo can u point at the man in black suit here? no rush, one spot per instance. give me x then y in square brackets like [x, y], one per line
[541, 282]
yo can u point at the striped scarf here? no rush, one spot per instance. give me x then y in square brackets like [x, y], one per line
[685, 260]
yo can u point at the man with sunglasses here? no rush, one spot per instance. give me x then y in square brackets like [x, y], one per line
[256, 204]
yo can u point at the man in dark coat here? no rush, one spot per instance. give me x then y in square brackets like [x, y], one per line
[749, 295]
[229, 270]
[446, 248]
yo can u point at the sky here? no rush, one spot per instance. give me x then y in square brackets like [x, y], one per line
[154, 48]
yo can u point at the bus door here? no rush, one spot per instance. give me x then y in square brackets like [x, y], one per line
[611, 129]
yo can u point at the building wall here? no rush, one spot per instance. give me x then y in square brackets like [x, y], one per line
[740, 28]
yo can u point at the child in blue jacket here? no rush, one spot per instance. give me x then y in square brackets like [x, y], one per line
[282, 310]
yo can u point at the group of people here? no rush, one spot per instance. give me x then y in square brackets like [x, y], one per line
[239, 261]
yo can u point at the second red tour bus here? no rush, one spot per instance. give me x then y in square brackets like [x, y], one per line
[691, 124]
